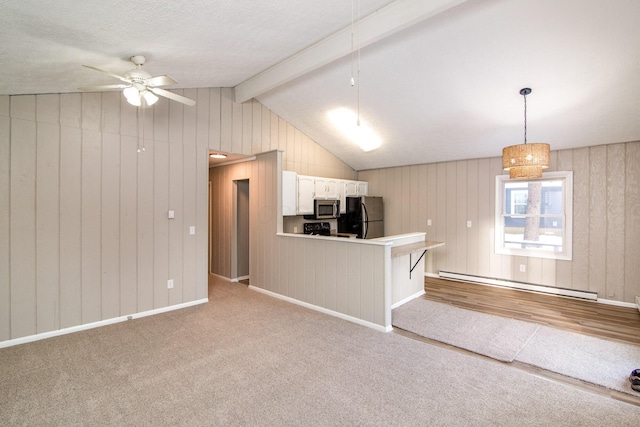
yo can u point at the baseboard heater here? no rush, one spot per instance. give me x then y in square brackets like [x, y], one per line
[573, 293]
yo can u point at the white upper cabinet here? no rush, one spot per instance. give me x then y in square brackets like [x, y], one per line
[289, 193]
[356, 188]
[342, 195]
[306, 191]
[300, 191]
[326, 188]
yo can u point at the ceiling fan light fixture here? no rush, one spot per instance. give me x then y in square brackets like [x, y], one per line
[133, 96]
[149, 97]
[526, 161]
[139, 84]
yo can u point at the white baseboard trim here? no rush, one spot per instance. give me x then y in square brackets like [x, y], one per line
[407, 299]
[100, 323]
[324, 310]
[617, 303]
[219, 276]
[573, 293]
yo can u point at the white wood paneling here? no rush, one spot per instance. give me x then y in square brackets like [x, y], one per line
[70, 223]
[597, 217]
[128, 225]
[632, 222]
[110, 226]
[160, 223]
[48, 222]
[91, 222]
[615, 248]
[22, 232]
[5, 220]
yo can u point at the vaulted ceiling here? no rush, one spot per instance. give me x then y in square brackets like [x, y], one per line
[439, 79]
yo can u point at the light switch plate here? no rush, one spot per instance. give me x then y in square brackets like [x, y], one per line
[171, 215]
[192, 229]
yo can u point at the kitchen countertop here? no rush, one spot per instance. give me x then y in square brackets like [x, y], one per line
[415, 247]
[400, 243]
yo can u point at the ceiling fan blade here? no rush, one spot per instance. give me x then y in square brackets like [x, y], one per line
[161, 81]
[124, 79]
[171, 95]
[103, 87]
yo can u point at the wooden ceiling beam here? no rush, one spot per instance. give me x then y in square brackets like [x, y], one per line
[382, 23]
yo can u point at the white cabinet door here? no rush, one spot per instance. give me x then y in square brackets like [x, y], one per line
[351, 188]
[326, 188]
[306, 190]
[289, 193]
[362, 188]
[357, 188]
[342, 196]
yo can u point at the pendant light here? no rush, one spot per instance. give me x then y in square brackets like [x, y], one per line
[525, 161]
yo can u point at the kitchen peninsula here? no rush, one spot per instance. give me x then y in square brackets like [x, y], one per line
[360, 280]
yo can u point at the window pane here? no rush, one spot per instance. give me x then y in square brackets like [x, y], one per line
[533, 217]
[548, 235]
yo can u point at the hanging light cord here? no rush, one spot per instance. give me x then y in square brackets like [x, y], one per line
[355, 80]
[524, 92]
[525, 118]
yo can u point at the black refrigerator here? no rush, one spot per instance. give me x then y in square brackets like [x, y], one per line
[364, 216]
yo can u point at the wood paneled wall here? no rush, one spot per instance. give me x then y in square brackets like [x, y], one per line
[251, 128]
[84, 233]
[83, 216]
[606, 223]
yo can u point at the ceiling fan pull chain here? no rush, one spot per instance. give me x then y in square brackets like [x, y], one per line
[140, 120]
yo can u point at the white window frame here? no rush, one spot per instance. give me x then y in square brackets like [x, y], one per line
[567, 235]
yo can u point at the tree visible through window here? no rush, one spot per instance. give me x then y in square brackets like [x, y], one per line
[533, 217]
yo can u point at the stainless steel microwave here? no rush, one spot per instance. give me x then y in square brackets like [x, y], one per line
[326, 209]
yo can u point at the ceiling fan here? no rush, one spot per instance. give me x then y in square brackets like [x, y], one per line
[139, 87]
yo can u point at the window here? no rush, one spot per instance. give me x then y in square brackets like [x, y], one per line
[534, 217]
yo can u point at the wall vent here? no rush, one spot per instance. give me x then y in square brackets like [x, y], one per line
[573, 293]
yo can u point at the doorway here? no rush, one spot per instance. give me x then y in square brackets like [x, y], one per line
[241, 234]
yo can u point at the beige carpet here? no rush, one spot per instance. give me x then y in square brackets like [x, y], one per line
[248, 359]
[493, 336]
[602, 362]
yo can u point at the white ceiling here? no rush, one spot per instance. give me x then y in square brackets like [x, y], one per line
[444, 86]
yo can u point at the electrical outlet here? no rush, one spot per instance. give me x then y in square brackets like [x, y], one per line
[468, 224]
[170, 284]
[429, 222]
[295, 230]
[171, 215]
[192, 230]
[523, 268]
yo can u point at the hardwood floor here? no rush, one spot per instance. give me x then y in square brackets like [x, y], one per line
[587, 317]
